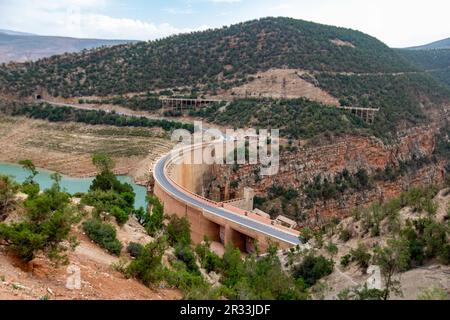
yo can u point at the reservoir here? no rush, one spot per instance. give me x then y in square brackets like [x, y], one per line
[70, 184]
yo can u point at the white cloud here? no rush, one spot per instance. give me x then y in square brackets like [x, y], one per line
[79, 18]
[398, 23]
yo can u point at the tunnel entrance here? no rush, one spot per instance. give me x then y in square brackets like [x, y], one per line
[38, 97]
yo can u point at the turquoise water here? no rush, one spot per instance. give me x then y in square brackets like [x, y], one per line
[70, 184]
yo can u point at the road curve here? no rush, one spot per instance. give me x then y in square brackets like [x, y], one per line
[171, 189]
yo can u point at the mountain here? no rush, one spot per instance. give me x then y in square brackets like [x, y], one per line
[441, 44]
[354, 68]
[436, 62]
[15, 33]
[20, 47]
[230, 53]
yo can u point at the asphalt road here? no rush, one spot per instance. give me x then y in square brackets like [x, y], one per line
[251, 224]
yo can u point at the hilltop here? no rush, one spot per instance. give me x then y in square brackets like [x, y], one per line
[213, 57]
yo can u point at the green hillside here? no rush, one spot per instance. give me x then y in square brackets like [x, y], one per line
[199, 58]
[354, 67]
[437, 62]
[441, 44]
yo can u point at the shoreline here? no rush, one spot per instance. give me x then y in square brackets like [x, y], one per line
[79, 176]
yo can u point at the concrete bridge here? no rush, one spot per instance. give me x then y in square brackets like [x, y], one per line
[180, 104]
[367, 114]
[178, 185]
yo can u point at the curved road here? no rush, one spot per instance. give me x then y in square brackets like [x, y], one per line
[165, 183]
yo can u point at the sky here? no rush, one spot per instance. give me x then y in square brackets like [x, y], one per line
[398, 23]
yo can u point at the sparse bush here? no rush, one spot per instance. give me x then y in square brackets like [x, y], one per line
[103, 234]
[47, 223]
[31, 189]
[361, 256]
[306, 234]
[135, 249]
[313, 268]
[179, 231]
[120, 215]
[147, 267]
[8, 191]
[345, 235]
[345, 260]
[185, 254]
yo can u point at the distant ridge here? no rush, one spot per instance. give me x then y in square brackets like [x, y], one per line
[20, 47]
[441, 44]
[15, 33]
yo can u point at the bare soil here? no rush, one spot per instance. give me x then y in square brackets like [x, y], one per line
[68, 148]
[99, 281]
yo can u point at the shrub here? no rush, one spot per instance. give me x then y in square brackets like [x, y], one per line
[179, 231]
[332, 249]
[154, 223]
[47, 223]
[23, 240]
[120, 215]
[31, 189]
[8, 190]
[209, 260]
[433, 293]
[445, 254]
[103, 234]
[313, 268]
[135, 249]
[147, 267]
[185, 254]
[361, 256]
[306, 234]
[345, 235]
[345, 260]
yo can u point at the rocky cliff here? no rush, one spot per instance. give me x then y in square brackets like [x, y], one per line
[351, 153]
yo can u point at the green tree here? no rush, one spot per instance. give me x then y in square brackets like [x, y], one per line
[393, 258]
[46, 225]
[154, 222]
[103, 162]
[179, 231]
[313, 268]
[8, 191]
[148, 266]
[29, 166]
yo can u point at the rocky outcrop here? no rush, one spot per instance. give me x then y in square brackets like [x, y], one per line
[351, 153]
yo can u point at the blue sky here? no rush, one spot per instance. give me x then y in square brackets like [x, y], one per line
[398, 23]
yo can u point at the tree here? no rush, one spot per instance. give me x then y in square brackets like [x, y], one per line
[179, 231]
[393, 258]
[46, 225]
[154, 222]
[361, 256]
[313, 268]
[8, 191]
[103, 162]
[29, 165]
[148, 267]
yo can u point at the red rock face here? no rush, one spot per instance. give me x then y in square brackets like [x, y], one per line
[351, 153]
